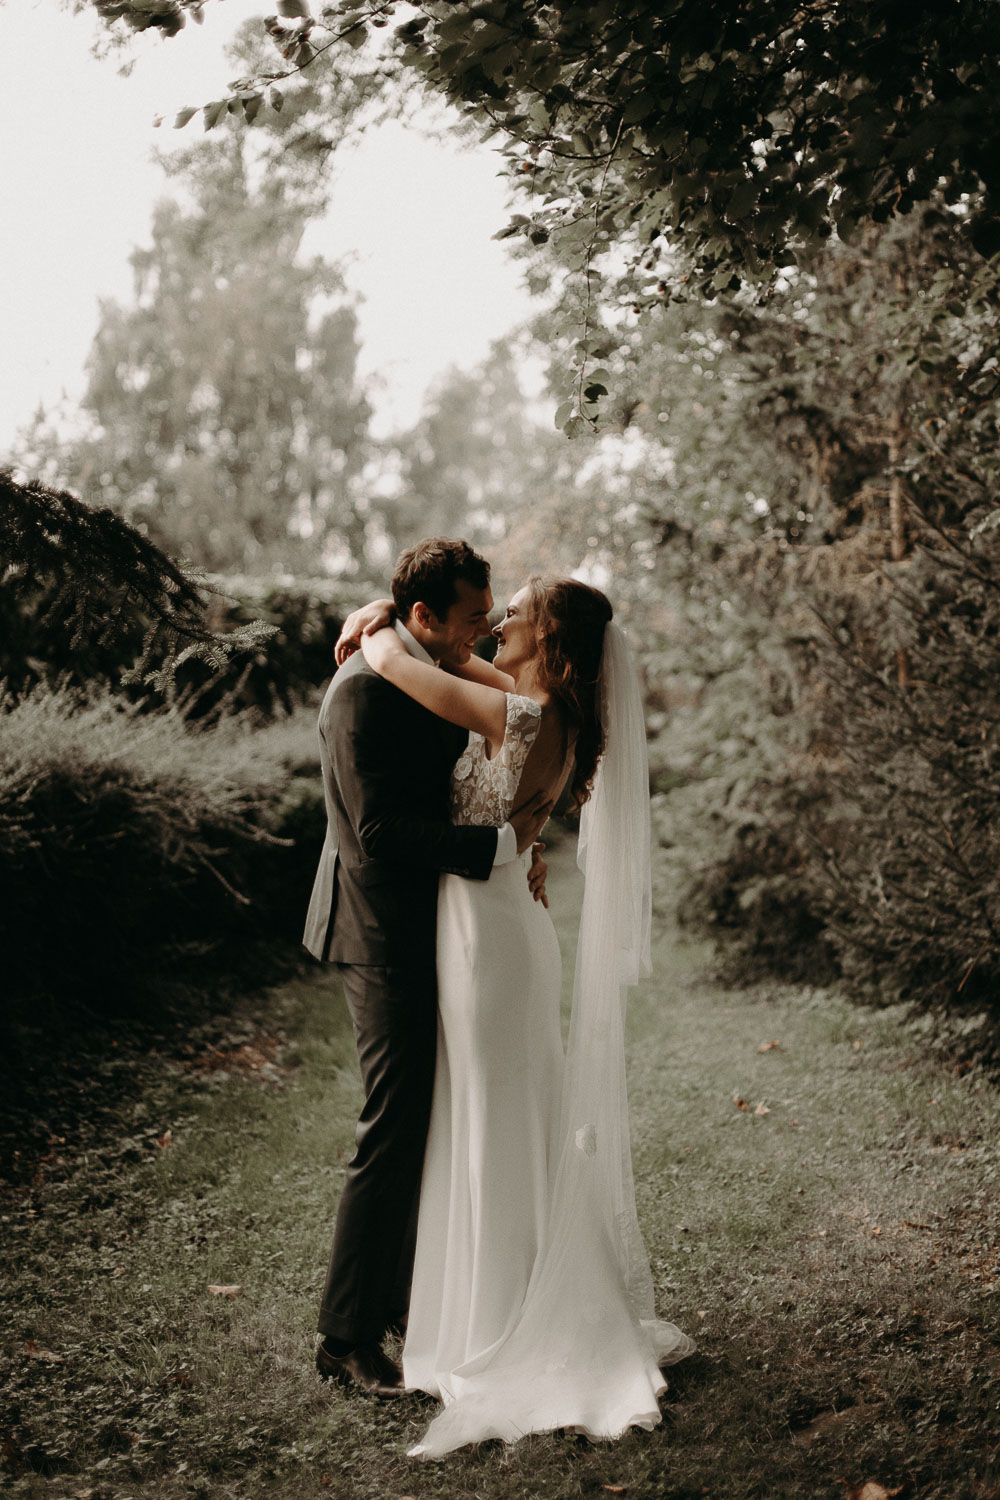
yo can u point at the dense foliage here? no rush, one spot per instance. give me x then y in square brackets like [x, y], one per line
[86, 599]
[712, 144]
[85, 596]
[139, 853]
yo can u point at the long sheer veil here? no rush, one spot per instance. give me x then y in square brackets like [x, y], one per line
[585, 1349]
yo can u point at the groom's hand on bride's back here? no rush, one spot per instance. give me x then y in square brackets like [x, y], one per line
[529, 819]
[536, 875]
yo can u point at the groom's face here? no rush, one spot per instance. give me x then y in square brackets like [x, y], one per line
[453, 639]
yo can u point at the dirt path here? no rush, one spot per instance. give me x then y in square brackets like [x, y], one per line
[819, 1202]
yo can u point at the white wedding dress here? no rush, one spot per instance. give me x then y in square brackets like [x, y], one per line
[531, 1303]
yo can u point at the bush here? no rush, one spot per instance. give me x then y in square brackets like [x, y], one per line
[913, 896]
[737, 797]
[139, 852]
[829, 801]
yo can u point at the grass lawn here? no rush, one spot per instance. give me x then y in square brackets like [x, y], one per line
[820, 1204]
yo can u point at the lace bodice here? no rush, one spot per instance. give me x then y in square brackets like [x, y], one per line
[483, 790]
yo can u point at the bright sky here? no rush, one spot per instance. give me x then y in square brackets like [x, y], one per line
[412, 217]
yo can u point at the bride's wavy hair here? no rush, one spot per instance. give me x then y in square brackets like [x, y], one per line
[569, 618]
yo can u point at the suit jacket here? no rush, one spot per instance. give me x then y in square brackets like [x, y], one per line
[386, 764]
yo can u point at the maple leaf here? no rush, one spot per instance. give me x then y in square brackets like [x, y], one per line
[762, 1109]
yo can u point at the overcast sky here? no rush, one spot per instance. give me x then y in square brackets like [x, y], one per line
[412, 217]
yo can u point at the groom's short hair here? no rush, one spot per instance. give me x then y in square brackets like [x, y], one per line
[427, 573]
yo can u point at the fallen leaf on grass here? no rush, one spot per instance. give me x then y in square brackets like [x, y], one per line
[225, 1291]
[35, 1352]
[762, 1109]
[870, 1490]
[740, 1102]
[164, 1140]
[118, 1271]
[614, 1489]
[770, 1047]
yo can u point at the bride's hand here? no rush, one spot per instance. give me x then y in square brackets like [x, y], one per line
[380, 648]
[362, 622]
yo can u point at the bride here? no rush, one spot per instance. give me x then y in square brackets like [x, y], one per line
[531, 1306]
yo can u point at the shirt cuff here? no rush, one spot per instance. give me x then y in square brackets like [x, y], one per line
[506, 845]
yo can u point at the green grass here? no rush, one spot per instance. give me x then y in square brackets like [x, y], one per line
[835, 1257]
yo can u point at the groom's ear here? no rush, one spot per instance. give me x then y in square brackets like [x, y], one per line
[423, 615]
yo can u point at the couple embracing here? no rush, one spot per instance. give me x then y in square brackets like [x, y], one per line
[489, 1210]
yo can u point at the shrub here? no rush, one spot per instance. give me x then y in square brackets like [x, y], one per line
[913, 896]
[138, 851]
[737, 796]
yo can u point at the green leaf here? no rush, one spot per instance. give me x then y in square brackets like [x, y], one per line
[183, 116]
[564, 413]
[276, 99]
[251, 107]
[743, 198]
[639, 106]
[212, 113]
[292, 8]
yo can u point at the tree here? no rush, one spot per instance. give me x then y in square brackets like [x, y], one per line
[226, 412]
[742, 132]
[476, 461]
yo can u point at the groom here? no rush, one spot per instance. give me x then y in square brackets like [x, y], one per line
[386, 764]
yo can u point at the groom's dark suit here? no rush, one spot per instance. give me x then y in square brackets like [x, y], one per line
[386, 766]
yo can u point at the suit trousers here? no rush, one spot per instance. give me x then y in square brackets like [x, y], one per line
[394, 1011]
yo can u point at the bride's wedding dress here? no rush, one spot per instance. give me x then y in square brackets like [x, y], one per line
[531, 1304]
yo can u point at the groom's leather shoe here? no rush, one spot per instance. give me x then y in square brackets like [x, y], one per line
[366, 1367]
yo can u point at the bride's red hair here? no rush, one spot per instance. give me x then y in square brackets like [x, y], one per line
[570, 617]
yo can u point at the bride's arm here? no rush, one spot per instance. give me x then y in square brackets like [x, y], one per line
[478, 670]
[471, 705]
[363, 621]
